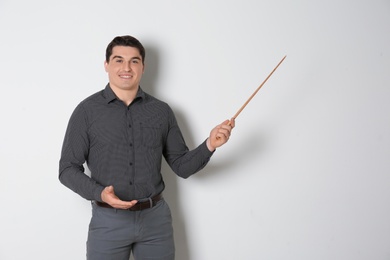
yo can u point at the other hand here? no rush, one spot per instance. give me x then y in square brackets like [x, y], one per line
[108, 196]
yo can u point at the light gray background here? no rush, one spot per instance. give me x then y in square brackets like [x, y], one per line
[306, 174]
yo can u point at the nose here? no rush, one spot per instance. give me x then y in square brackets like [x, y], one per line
[127, 66]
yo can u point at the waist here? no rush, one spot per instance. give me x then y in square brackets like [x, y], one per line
[147, 204]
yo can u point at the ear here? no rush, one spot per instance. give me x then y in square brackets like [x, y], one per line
[105, 66]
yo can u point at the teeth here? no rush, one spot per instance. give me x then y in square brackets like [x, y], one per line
[126, 77]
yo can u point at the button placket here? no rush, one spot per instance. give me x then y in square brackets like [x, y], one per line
[130, 139]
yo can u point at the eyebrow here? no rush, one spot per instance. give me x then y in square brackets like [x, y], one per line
[117, 57]
[120, 57]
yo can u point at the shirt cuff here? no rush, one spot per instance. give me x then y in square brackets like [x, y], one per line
[205, 149]
[98, 193]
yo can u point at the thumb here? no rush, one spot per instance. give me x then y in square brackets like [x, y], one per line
[110, 189]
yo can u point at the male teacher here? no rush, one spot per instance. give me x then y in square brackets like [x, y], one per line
[122, 133]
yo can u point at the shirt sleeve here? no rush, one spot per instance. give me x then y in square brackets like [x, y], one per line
[73, 156]
[181, 160]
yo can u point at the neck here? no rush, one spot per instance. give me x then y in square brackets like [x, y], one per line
[127, 96]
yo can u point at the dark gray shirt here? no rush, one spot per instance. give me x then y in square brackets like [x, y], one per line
[123, 146]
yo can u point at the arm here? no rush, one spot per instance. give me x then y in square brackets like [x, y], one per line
[184, 162]
[74, 153]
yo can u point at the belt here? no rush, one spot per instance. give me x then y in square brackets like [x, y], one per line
[150, 203]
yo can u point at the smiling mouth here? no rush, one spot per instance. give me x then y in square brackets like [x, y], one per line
[125, 76]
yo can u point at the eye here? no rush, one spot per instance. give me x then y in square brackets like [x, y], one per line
[118, 61]
[135, 61]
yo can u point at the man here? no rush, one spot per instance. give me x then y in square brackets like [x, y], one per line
[122, 133]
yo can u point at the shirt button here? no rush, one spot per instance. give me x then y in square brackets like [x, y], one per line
[131, 144]
[131, 183]
[131, 164]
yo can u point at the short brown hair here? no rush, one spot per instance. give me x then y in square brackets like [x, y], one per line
[125, 40]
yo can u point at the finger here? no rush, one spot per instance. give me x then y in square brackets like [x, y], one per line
[224, 125]
[225, 130]
[132, 203]
[223, 135]
[232, 122]
[120, 204]
[226, 122]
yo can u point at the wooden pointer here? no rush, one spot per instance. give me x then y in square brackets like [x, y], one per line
[254, 93]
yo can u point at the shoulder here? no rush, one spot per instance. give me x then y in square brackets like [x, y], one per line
[97, 97]
[92, 102]
[153, 101]
[89, 104]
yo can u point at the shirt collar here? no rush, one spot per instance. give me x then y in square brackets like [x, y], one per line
[110, 96]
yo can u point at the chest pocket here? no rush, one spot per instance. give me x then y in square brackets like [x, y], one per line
[151, 135]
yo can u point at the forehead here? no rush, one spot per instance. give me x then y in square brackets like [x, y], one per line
[126, 52]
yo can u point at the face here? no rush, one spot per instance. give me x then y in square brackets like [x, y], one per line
[125, 68]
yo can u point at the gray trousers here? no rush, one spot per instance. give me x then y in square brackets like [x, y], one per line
[115, 234]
